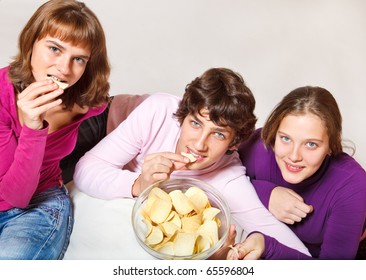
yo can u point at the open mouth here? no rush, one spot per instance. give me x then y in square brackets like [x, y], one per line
[55, 78]
[60, 83]
[194, 156]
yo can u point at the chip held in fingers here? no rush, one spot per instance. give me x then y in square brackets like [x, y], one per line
[190, 156]
[62, 85]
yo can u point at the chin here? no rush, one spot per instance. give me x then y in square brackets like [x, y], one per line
[292, 178]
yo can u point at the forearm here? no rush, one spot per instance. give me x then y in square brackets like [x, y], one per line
[21, 164]
[103, 180]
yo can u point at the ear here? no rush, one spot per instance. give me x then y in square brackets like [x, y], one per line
[232, 149]
[235, 147]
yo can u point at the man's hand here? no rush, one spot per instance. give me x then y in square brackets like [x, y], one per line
[157, 167]
[252, 248]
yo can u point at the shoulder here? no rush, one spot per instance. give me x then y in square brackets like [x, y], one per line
[344, 176]
[347, 167]
[7, 96]
[4, 73]
[159, 105]
[160, 98]
[254, 147]
[96, 110]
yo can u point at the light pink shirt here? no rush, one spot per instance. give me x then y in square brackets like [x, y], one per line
[109, 170]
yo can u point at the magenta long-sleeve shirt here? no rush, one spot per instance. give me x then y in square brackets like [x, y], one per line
[337, 191]
[110, 169]
[29, 159]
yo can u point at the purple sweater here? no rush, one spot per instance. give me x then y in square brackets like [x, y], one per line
[30, 158]
[337, 192]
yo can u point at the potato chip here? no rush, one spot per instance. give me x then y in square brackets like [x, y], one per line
[167, 248]
[176, 219]
[209, 213]
[192, 223]
[169, 228]
[184, 243]
[198, 198]
[59, 83]
[181, 202]
[160, 210]
[149, 202]
[203, 243]
[210, 229]
[148, 224]
[190, 156]
[160, 193]
[155, 236]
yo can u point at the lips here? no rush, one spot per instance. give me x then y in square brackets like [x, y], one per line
[56, 78]
[197, 156]
[293, 168]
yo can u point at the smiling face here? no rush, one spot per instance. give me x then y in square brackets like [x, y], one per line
[301, 144]
[203, 139]
[62, 60]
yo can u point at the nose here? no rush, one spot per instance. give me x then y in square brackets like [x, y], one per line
[201, 143]
[295, 154]
[63, 66]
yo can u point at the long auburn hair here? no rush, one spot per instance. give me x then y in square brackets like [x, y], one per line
[70, 21]
[225, 95]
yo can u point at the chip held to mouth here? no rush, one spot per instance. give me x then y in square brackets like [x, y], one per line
[59, 83]
[190, 156]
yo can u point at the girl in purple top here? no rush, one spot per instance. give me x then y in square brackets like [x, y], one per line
[62, 41]
[301, 174]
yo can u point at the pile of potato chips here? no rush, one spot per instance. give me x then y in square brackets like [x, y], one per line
[180, 223]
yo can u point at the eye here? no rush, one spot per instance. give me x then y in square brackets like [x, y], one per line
[55, 49]
[312, 145]
[285, 138]
[220, 135]
[80, 60]
[195, 123]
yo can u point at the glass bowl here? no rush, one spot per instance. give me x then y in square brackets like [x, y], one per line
[215, 198]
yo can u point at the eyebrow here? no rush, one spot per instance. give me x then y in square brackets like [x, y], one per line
[63, 48]
[216, 128]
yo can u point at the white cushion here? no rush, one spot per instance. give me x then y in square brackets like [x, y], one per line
[102, 229]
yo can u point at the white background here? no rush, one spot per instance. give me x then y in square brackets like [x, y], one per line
[278, 45]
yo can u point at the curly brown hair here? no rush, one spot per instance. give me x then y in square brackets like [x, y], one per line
[70, 21]
[225, 95]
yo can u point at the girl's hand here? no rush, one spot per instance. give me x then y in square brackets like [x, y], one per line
[287, 206]
[36, 100]
[157, 167]
[252, 248]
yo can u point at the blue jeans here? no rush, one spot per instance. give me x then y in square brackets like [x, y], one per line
[41, 231]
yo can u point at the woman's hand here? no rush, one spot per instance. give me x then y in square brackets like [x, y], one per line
[157, 167]
[36, 100]
[252, 248]
[287, 206]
